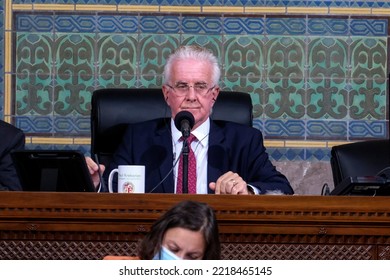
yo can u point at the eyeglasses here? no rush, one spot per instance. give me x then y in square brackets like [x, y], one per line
[182, 89]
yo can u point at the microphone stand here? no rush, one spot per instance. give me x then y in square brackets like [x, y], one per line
[185, 153]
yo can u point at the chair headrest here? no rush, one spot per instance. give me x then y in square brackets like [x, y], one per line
[363, 158]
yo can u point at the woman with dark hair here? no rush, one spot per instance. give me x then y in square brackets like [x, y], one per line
[189, 230]
[186, 231]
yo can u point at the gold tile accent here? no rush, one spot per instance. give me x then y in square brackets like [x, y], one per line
[336, 143]
[82, 7]
[7, 95]
[350, 11]
[378, 11]
[51, 140]
[22, 7]
[264, 10]
[53, 7]
[181, 9]
[7, 119]
[8, 15]
[274, 143]
[138, 8]
[82, 141]
[305, 144]
[7, 52]
[222, 9]
[59, 141]
[28, 140]
[267, 143]
[307, 10]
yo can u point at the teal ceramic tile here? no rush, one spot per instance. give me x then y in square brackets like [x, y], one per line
[152, 24]
[69, 23]
[323, 129]
[127, 23]
[72, 94]
[35, 23]
[33, 95]
[328, 27]
[360, 130]
[117, 58]
[153, 52]
[37, 125]
[313, 78]
[202, 25]
[285, 26]
[369, 27]
[243, 25]
[76, 126]
[293, 129]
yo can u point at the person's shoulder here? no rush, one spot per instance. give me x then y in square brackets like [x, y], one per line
[4, 126]
[10, 130]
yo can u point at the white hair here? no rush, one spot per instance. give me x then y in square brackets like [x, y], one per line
[195, 52]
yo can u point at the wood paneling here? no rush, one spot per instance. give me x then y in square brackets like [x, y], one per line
[90, 225]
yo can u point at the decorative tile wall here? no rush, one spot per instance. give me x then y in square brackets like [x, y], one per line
[316, 70]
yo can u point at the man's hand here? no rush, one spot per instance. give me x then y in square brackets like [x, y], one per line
[229, 183]
[94, 170]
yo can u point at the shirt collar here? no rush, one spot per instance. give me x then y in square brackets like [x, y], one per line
[201, 132]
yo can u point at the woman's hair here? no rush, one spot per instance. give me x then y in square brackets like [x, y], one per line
[191, 215]
[195, 52]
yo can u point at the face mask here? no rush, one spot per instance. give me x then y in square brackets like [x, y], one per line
[165, 254]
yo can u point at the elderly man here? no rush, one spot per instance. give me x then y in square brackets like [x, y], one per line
[224, 158]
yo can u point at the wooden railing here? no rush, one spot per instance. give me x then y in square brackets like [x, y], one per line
[89, 226]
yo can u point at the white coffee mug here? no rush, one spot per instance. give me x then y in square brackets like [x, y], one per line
[131, 179]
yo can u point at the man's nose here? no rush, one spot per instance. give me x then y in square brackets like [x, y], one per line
[191, 92]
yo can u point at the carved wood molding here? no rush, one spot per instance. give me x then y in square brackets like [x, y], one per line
[260, 227]
[224, 237]
[89, 250]
[38, 204]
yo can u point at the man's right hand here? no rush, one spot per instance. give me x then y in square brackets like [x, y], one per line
[94, 170]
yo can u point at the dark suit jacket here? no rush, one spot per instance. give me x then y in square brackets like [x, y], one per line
[232, 147]
[12, 138]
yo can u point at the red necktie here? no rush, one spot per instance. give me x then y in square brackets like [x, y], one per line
[191, 169]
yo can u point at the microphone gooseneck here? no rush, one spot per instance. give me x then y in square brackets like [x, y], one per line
[184, 121]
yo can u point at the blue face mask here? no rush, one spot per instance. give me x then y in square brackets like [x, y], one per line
[165, 254]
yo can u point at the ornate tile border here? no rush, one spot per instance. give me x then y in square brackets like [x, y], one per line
[203, 9]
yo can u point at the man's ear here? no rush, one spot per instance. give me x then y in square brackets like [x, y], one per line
[165, 93]
[215, 95]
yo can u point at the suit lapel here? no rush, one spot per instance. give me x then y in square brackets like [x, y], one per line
[217, 157]
[164, 138]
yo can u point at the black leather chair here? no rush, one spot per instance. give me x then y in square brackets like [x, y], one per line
[369, 159]
[114, 108]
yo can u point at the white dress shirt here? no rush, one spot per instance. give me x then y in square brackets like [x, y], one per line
[200, 148]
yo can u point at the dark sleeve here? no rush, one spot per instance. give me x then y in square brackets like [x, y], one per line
[241, 149]
[262, 174]
[12, 139]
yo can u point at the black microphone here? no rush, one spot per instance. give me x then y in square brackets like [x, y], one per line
[184, 121]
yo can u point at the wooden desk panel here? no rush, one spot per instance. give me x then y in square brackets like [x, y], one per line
[90, 226]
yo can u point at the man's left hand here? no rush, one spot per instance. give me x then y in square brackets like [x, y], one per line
[229, 183]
